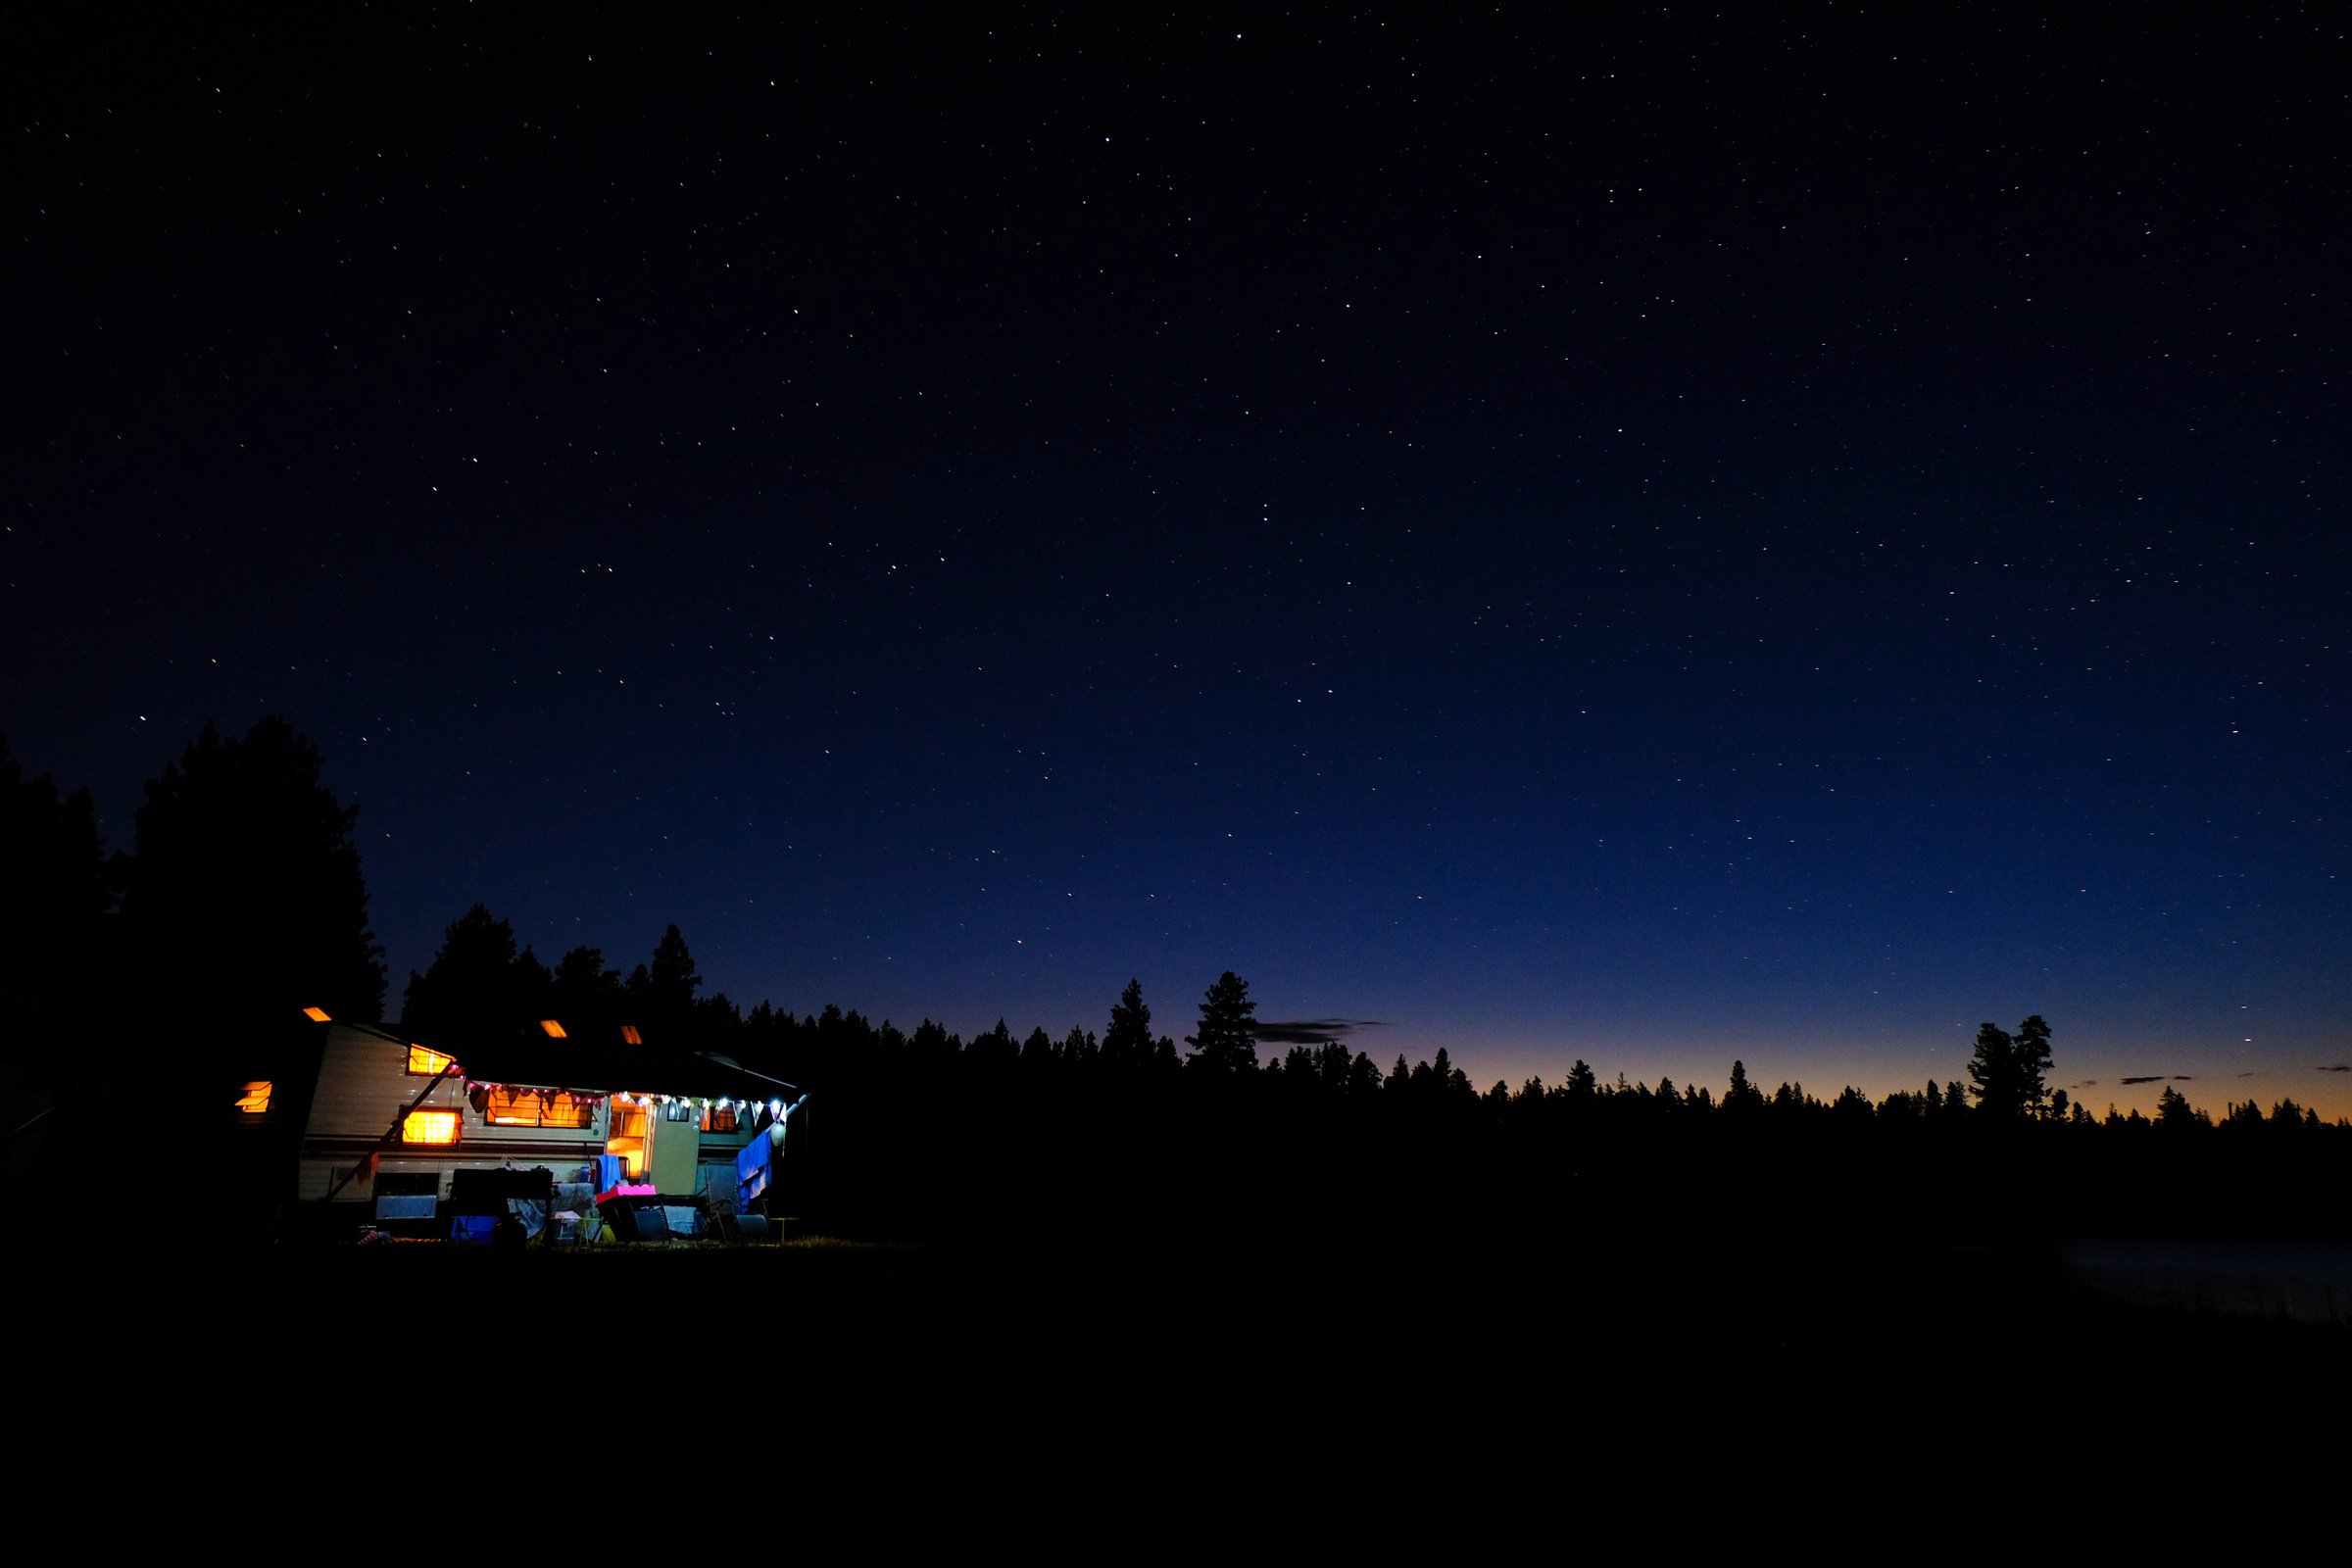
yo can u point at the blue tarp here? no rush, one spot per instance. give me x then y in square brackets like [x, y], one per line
[752, 1170]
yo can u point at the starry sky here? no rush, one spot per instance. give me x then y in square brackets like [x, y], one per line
[1628, 533]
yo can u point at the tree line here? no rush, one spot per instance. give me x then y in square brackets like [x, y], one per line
[479, 972]
[1129, 1130]
[242, 897]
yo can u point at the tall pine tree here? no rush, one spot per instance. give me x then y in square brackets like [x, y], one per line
[477, 986]
[1128, 1040]
[1227, 1043]
[243, 896]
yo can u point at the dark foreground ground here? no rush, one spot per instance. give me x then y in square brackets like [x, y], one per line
[1484, 1324]
[1051, 1387]
[822, 1303]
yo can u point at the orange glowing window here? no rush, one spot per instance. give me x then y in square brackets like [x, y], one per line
[554, 1030]
[568, 1110]
[256, 1098]
[628, 1032]
[425, 1064]
[532, 1107]
[317, 1014]
[718, 1118]
[429, 1127]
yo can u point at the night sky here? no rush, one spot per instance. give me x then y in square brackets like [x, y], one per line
[1650, 536]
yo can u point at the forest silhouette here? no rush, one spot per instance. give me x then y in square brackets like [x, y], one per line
[242, 900]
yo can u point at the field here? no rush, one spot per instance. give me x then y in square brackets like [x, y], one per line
[1060, 1379]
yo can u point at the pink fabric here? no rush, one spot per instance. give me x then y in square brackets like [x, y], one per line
[624, 1190]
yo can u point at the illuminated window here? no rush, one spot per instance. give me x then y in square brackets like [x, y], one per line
[719, 1119]
[256, 1098]
[532, 1107]
[628, 1032]
[628, 1137]
[429, 1127]
[423, 1063]
[317, 1014]
[552, 1029]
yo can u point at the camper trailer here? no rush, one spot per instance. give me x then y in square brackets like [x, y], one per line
[537, 1125]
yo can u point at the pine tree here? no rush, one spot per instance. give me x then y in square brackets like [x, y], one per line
[1992, 1072]
[476, 987]
[243, 897]
[56, 891]
[2032, 1064]
[242, 905]
[2010, 1072]
[661, 995]
[1447, 1079]
[586, 995]
[1227, 1043]
[1128, 1040]
[996, 1048]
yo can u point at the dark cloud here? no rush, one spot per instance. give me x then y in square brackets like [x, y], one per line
[2088, 1083]
[2158, 1077]
[2341, 1066]
[2248, 1073]
[1311, 1031]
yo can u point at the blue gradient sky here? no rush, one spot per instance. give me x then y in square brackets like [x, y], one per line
[1639, 539]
